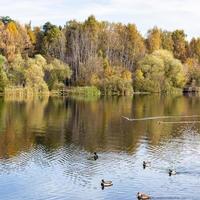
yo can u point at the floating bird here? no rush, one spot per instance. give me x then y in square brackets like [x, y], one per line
[142, 196]
[146, 164]
[95, 156]
[172, 172]
[106, 183]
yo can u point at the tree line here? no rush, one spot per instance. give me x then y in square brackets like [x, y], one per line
[114, 57]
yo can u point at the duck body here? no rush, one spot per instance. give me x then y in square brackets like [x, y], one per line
[142, 196]
[106, 183]
[172, 172]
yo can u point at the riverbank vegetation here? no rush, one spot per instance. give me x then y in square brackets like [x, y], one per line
[112, 58]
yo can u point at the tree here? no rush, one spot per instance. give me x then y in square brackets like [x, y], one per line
[16, 70]
[180, 45]
[53, 41]
[192, 69]
[14, 40]
[93, 67]
[34, 74]
[159, 72]
[56, 74]
[154, 39]
[3, 77]
[6, 19]
[167, 42]
[194, 48]
[113, 80]
[135, 48]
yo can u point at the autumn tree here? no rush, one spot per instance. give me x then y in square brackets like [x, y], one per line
[192, 70]
[167, 42]
[194, 48]
[14, 39]
[179, 45]
[134, 45]
[113, 80]
[154, 39]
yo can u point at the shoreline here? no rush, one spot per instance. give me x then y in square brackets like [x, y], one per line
[87, 91]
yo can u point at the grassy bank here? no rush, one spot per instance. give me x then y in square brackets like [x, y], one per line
[23, 92]
[72, 91]
[87, 91]
[81, 91]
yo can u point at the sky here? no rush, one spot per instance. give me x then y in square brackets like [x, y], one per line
[166, 14]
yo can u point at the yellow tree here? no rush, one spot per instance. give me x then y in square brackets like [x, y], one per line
[154, 39]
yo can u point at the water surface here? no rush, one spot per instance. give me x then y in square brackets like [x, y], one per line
[45, 144]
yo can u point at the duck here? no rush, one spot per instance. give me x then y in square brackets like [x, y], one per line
[172, 172]
[106, 183]
[142, 196]
[146, 164]
[95, 156]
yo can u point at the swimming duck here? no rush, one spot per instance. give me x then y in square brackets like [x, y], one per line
[106, 183]
[172, 172]
[146, 164]
[142, 196]
[95, 156]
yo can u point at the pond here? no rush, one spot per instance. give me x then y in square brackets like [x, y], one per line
[45, 144]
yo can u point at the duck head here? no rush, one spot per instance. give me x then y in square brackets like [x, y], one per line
[170, 172]
[144, 164]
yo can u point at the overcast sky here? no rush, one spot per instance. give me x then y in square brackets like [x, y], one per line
[166, 14]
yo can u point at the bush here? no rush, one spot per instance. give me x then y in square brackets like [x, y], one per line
[85, 91]
[159, 72]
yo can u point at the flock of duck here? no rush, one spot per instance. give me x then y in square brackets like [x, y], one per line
[140, 195]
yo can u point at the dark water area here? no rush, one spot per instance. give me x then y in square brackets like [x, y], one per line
[45, 144]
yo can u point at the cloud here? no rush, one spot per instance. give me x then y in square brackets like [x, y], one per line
[167, 14]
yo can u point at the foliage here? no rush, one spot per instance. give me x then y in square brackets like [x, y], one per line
[113, 80]
[167, 42]
[34, 77]
[154, 39]
[56, 73]
[192, 69]
[159, 72]
[179, 45]
[85, 91]
[96, 53]
[3, 77]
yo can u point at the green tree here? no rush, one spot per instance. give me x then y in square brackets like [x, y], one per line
[53, 41]
[159, 72]
[56, 74]
[3, 77]
[16, 70]
[34, 74]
